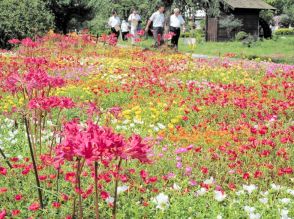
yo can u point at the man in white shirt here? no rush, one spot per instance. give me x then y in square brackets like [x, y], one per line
[114, 23]
[158, 23]
[134, 19]
[176, 22]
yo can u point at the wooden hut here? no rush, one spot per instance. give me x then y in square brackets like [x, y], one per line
[245, 10]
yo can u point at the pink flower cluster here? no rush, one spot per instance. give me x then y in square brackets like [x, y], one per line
[96, 143]
[48, 103]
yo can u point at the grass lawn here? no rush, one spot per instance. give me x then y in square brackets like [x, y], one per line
[280, 50]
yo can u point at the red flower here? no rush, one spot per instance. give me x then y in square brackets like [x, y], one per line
[18, 197]
[34, 207]
[104, 195]
[2, 214]
[3, 171]
[14, 41]
[246, 176]
[56, 205]
[15, 212]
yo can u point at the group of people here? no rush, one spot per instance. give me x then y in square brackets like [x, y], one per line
[157, 19]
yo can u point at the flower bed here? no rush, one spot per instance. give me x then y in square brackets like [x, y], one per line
[90, 130]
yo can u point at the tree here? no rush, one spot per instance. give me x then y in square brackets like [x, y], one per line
[23, 18]
[230, 23]
[70, 14]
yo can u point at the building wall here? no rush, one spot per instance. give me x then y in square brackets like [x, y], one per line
[249, 18]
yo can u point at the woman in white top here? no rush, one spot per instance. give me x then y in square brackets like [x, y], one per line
[114, 23]
[124, 29]
[176, 22]
[134, 19]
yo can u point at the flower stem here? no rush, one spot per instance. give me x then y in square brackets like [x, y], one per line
[115, 191]
[5, 158]
[34, 163]
[96, 191]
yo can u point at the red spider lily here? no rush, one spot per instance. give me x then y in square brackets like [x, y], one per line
[141, 32]
[129, 36]
[136, 148]
[95, 143]
[168, 36]
[28, 42]
[48, 103]
[14, 41]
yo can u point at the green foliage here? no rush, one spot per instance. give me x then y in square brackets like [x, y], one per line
[248, 41]
[267, 15]
[284, 31]
[230, 23]
[70, 15]
[241, 36]
[23, 18]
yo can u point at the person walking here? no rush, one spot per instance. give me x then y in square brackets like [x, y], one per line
[158, 23]
[134, 19]
[114, 23]
[176, 22]
[124, 29]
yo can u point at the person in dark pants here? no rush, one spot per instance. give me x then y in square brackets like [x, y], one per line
[114, 23]
[158, 23]
[176, 22]
[124, 30]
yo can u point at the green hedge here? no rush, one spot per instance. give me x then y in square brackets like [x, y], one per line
[192, 34]
[284, 31]
[23, 18]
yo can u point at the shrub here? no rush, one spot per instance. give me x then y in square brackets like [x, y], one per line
[241, 36]
[285, 20]
[23, 18]
[248, 41]
[284, 32]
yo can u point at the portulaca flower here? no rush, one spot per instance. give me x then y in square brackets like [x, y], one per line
[263, 200]
[254, 216]
[219, 217]
[290, 191]
[240, 192]
[284, 214]
[161, 126]
[201, 192]
[121, 189]
[249, 209]
[161, 201]
[276, 187]
[219, 196]
[176, 187]
[109, 200]
[285, 200]
[264, 193]
[209, 181]
[249, 188]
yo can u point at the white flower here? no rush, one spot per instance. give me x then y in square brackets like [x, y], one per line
[240, 192]
[126, 121]
[156, 129]
[20, 157]
[121, 189]
[264, 193]
[219, 196]
[161, 126]
[290, 191]
[249, 209]
[109, 200]
[254, 216]
[176, 187]
[276, 187]
[201, 192]
[249, 188]
[209, 181]
[161, 201]
[284, 214]
[132, 125]
[285, 200]
[219, 217]
[263, 200]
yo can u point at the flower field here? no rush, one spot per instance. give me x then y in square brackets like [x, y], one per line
[92, 130]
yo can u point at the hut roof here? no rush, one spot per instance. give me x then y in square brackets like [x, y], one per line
[248, 4]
